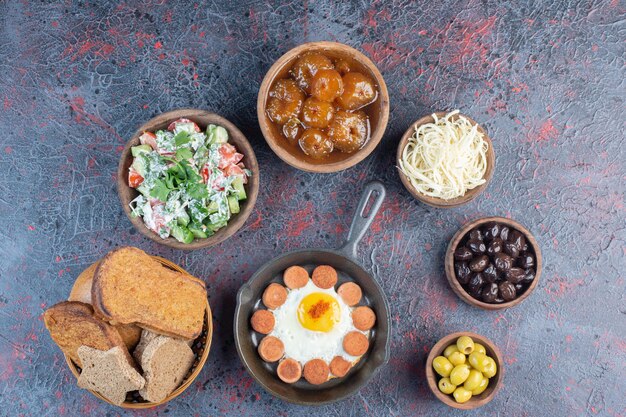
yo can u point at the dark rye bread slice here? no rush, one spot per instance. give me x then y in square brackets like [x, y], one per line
[165, 362]
[146, 337]
[109, 373]
[130, 287]
[81, 291]
[73, 324]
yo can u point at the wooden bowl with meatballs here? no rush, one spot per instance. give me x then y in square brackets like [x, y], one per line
[323, 107]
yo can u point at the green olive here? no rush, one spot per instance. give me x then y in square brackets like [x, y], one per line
[484, 383]
[446, 386]
[478, 361]
[465, 344]
[461, 395]
[457, 358]
[490, 369]
[479, 348]
[459, 374]
[473, 380]
[442, 366]
[450, 350]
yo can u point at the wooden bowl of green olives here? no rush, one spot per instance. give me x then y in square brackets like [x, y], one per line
[464, 370]
[493, 263]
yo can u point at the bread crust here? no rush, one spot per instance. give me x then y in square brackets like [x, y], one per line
[130, 287]
[165, 362]
[73, 324]
[81, 291]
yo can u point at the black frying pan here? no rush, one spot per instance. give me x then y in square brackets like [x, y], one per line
[344, 260]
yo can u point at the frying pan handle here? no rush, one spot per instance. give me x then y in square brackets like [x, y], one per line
[371, 199]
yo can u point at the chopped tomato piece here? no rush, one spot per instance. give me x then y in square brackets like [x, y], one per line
[148, 138]
[233, 170]
[229, 156]
[218, 182]
[134, 179]
[205, 174]
[172, 125]
[158, 219]
[245, 176]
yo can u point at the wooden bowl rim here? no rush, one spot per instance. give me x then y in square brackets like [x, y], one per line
[470, 195]
[375, 137]
[456, 285]
[201, 360]
[252, 188]
[474, 402]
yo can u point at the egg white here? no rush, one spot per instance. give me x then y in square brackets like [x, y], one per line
[303, 344]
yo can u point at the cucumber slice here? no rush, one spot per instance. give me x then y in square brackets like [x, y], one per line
[198, 231]
[182, 234]
[233, 204]
[240, 191]
[214, 227]
[143, 189]
[216, 134]
[213, 207]
[183, 219]
[140, 164]
[136, 150]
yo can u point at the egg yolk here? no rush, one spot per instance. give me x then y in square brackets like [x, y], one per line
[319, 312]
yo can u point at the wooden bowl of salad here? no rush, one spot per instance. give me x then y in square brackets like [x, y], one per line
[188, 179]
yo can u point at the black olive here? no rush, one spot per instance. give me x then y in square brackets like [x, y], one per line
[463, 254]
[489, 293]
[503, 262]
[476, 234]
[526, 260]
[462, 272]
[504, 233]
[507, 290]
[476, 246]
[519, 288]
[490, 274]
[491, 230]
[529, 275]
[518, 239]
[495, 246]
[511, 249]
[475, 285]
[479, 264]
[515, 275]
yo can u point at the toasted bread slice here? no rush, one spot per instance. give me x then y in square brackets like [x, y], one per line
[129, 286]
[81, 291]
[72, 324]
[109, 373]
[165, 362]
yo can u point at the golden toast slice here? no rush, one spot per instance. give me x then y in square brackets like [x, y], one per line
[81, 291]
[72, 324]
[129, 287]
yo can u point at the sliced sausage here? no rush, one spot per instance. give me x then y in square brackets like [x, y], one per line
[274, 296]
[324, 276]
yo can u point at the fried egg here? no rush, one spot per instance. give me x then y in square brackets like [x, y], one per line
[312, 324]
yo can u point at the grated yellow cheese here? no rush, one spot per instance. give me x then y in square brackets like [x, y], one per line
[446, 158]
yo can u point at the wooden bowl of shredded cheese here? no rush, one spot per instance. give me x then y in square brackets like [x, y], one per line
[445, 159]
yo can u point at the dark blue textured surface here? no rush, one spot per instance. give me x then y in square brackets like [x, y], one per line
[545, 78]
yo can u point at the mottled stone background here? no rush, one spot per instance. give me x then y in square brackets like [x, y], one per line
[546, 78]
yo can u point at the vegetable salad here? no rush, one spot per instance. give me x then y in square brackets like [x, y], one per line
[190, 182]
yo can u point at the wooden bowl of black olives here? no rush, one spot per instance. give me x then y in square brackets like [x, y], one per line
[493, 263]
